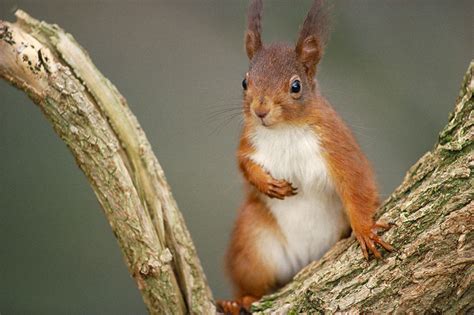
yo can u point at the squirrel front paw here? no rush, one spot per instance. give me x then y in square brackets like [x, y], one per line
[368, 237]
[279, 189]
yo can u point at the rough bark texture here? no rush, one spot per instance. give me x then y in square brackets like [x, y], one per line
[110, 147]
[431, 271]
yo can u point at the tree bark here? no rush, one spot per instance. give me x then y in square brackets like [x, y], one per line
[110, 147]
[432, 212]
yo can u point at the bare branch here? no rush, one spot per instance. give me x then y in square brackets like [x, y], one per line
[110, 147]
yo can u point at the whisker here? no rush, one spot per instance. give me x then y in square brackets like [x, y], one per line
[223, 110]
[224, 123]
[231, 102]
[224, 113]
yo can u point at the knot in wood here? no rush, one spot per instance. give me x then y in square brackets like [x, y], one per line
[153, 265]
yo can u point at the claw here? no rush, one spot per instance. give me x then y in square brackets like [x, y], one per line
[235, 307]
[382, 243]
[368, 240]
[277, 183]
[280, 189]
[228, 307]
[383, 225]
[363, 247]
[373, 249]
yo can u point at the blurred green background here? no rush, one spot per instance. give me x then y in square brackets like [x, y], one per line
[392, 69]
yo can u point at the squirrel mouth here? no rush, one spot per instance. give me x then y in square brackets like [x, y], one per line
[263, 122]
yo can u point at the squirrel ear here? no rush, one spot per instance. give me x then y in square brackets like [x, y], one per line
[313, 36]
[253, 41]
[309, 53]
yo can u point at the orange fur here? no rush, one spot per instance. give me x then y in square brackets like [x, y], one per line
[250, 274]
[258, 177]
[271, 74]
[352, 174]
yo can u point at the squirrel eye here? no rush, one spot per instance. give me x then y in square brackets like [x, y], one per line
[244, 84]
[295, 86]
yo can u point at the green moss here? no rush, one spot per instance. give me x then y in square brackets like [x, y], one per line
[451, 132]
[448, 156]
[345, 278]
[262, 305]
[469, 237]
[389, 293]
[309, 303]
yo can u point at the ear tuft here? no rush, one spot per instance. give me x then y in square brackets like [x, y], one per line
[309, 53]
[252, 43]
[253, 40]
[313, 36]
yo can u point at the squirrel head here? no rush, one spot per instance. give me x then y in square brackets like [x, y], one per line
[280, 84]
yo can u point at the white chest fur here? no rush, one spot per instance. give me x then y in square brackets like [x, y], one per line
[313, 220]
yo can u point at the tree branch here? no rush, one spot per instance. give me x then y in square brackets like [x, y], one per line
[432, 269]
[110, 147]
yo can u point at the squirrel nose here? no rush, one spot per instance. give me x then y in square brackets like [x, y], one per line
[261, 113]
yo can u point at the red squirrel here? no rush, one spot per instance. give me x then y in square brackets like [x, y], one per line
[307, 181]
